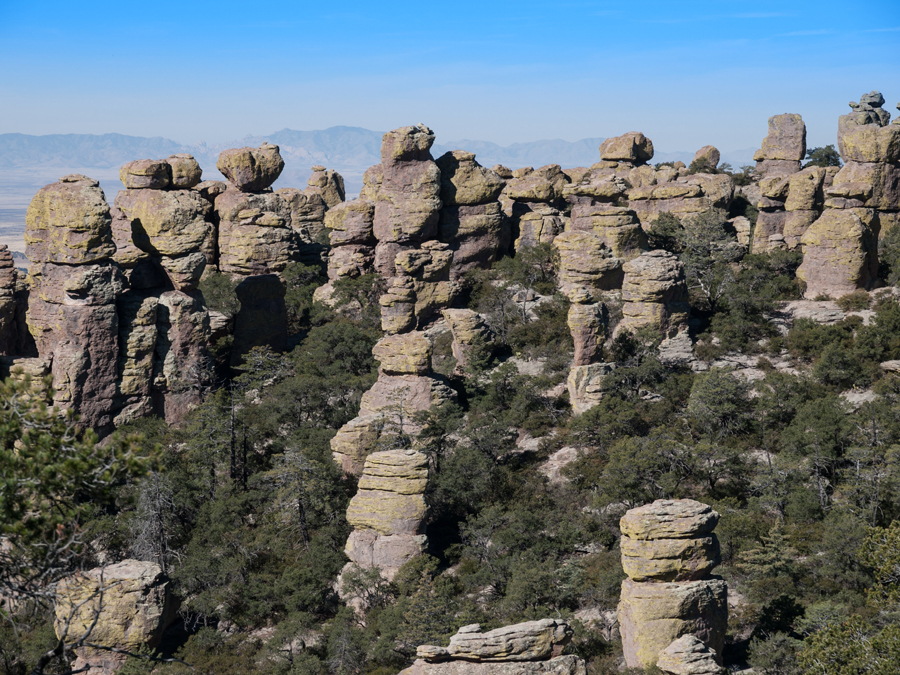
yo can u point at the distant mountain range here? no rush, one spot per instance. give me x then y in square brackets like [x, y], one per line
[349, 150]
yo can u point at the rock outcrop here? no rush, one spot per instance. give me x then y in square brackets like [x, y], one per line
[9, 329]
[654, 294]
[472, 222]
[72, 304]
[533, 201]
[839, 253]
[472, 337]
[131, 603]
[668, 550]
[585, 385]
[405, 386]
[530, 648]
[388, 511]
[689, 656]
[784, 147]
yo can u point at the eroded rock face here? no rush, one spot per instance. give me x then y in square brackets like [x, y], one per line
[69, 223]
[839, 253]
[668, 552]
[585, 385]
[655, 295]
[255, 235]
[329, 184]
[251, 169]
[471, 335]
[8, 281]
[561, 665]
[529, 641]
[784, 147]
[689, 656]
[388, 511]
[586, 265]
[137, 607]
[632, 147]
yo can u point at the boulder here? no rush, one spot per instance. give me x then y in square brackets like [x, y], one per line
[708, 155]
[786, 140]
[186, 171]
[356, 440]
[136, 608]
[586, 265]
[255, 235]
[839, 254]
[654, 293]
[148, 174]
[585, 385]
[406, 354]
[165, 222]
[529, 641]
[543, 185]
[652, 615]
[251, 169]
[69, 222]
[329, 184]
[689, 656]
[632, 147]
[464, 182]
[669, 519]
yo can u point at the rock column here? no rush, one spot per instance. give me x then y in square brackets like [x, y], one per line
[668, 552]
[654, 293]
[72, 305]
[535, 205]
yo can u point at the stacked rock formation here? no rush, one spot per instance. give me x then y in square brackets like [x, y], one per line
[689, 656]
[840, 248]
[524, 648]
[533, 201]
[472, 222]
[668, 551]
[789, 200]
[472, 337]
[164, 239]
[9, 333]
[405, 386]
[654, 294]
[388, 511]
[131, 603]
[72, 305]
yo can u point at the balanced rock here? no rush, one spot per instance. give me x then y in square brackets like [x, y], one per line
[632, 147]
[69, 222]
[186, 171]
[405, 354]
[689, 656]
[784, 147]
[136, 608]
[707, 156]
[251, 169]
[149, 174]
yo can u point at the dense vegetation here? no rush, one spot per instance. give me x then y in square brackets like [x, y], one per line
[250, 504]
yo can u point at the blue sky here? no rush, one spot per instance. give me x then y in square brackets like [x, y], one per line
[684, 73]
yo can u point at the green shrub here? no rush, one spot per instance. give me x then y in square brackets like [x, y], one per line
[854, 302]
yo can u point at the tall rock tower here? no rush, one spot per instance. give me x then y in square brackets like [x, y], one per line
[668, 552]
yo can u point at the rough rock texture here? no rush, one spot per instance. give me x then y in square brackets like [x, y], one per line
[255, 234]
[689, 656]
[471, 336]
[561, 665]
[788, 205]
[136, 608]
[138, 312]
[420, 289]
[186, 171]
[327, 183]
[668, 551]
[165, 222]
[8, 281]
[839, 253]
[388, 511]
[784, 146]
[708, 155]
[585, 385]
[407, 354]
[654, 293]
[251, 169]
[632, 147]
[262, 319]
[471, 219]
[586, 266]
[529, 641]
[588, 323]
[69, 223]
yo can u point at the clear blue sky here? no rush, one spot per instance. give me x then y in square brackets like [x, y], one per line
[685, 73]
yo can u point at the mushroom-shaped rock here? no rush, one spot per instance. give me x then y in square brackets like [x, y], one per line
[689, 656]
[251, 169]
[632, 147]
[69, 222]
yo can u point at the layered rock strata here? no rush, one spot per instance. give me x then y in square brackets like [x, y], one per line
[840, 248]
[72, 304]
[533, 201]
[784, 146]
[405, 386]
[654, 294]
[668, 551]
[523, 649]
[126, 606]
[388, 511]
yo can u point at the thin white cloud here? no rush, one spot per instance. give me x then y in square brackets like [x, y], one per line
[801, 33]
